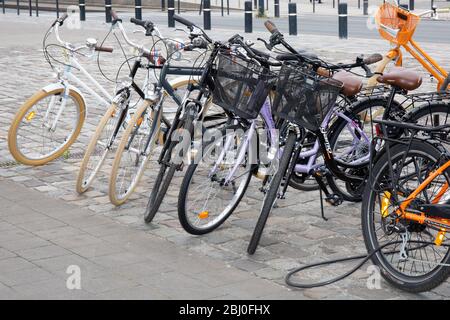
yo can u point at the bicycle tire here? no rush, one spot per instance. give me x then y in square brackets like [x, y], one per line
[272, 193]
[30, 103]
[182, 197]
[157, 194]
[397, 279]
[82, 183]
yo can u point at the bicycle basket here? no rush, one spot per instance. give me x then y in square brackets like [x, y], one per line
[396, 24]
[240, 86]
[304, 97]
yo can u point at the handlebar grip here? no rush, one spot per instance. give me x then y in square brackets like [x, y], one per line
[63, 18]
[373, 58]
[138, 22]
[184, 21]
[114, 15]
[324, 72]
[104, 49]
[271, 26]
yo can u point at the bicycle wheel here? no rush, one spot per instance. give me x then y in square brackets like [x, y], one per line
[350, 149]
[167, 171]
[134, 150]
[213, 186]
[434, 113]
[422, 268]
[99, 146]
[45, 126]
[272, 193]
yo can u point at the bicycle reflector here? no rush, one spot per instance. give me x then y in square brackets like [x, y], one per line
[439, 238]
[385, 199]
[203, 214]
[30, 116]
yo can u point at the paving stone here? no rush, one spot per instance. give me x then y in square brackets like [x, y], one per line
[42, 252]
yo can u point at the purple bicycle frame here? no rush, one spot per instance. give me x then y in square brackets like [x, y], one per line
[311, 154]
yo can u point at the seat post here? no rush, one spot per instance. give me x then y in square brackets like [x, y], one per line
[391, 97]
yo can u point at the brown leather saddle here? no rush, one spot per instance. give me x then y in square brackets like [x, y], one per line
[401, 78]
[351, 84]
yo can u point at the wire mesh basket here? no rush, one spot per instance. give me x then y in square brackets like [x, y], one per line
[396, 24]
[240, 86]
[303, 97]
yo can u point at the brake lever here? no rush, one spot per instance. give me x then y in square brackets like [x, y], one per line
[266, 44]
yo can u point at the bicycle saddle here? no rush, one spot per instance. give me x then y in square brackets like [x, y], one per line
[351, 84]
[291, 56]
[401, 78]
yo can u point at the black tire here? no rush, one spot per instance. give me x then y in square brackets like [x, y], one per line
[182, 197]
[351, 192]
[423, 113]
[164, 177]
[398, 279]
[272, 193]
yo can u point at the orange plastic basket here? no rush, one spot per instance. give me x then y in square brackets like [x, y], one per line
[396, 24]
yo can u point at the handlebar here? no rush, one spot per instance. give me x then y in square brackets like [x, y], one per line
[184, 21]
[373, 58]
[104, 49]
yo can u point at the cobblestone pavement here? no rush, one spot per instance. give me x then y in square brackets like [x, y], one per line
[295, 233]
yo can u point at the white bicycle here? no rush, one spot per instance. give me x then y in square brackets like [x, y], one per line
[49, 122]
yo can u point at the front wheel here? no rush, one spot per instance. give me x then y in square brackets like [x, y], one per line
[45, 126]
[215, 183]
[99, 146]
[168, 168]
[426, 264]
[272, 193]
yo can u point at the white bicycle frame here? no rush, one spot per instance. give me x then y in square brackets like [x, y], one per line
[67, 76]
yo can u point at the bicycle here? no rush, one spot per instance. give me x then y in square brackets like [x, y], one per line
[297, 83]
[139, 141]
[398, 25]
[405, 211]
[49, 122]
[224, 183]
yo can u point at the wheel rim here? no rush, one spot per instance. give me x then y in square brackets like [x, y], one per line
[37, 136]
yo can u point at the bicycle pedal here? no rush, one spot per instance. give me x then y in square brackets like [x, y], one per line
[334, 199]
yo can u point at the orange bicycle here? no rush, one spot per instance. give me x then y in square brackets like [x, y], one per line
[398, 25]
[406, 205]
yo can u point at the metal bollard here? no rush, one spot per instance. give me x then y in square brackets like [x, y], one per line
[248, 17]
[171, 12]
[82, 6]
[365, 7]
[3, 6]
[30, 8]
[276, 5]
[18, 7]
[163, 5]
[207, 15]
[57, 8]
[178, 6]
[228, 7]
[411, 5]
[342, 13]
[138, 9]
[37, 8]
[292, 9]
[108, 7]
[359, 4]
[261, 8]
